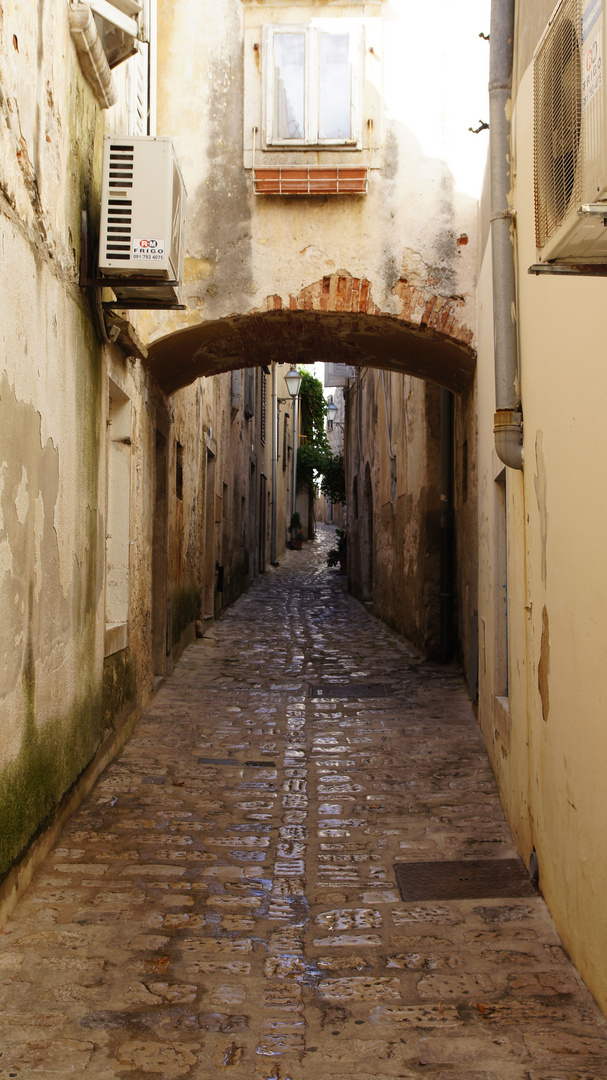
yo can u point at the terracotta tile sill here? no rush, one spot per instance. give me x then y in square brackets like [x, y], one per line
[311, 180]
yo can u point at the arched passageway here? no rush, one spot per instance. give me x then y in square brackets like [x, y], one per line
[335, 320]
[395, 543]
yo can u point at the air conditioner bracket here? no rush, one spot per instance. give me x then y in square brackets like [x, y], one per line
[593, 210]
[563, 268]
[89, 280]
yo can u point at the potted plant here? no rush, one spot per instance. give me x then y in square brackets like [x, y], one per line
[338, 554]
[295, 531]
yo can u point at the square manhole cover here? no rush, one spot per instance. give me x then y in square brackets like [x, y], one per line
[466, 879]
[341, 691]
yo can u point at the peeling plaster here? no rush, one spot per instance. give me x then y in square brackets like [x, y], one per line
[6, 558]
[540, 482]
[22, 499]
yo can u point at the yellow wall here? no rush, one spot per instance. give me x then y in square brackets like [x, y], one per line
[550, 749]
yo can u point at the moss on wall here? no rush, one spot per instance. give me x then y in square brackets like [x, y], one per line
[185, 607]
[49, 762]
[52, 758]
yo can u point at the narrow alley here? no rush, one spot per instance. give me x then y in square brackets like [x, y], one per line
[226, 897]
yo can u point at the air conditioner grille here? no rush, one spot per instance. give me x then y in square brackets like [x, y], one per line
[119, 229]
[557, 94]
[121, 167]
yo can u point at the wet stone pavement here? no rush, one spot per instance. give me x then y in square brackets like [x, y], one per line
[225, 902]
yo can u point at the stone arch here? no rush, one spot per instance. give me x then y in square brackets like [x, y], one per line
[335, 320]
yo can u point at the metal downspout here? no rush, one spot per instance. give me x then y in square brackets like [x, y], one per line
[295, 445]
[508, 420]
[273, 561]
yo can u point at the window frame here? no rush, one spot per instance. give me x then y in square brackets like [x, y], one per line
[311, 33]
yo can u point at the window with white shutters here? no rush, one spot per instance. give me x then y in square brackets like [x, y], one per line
[138, 98]
[312, 85]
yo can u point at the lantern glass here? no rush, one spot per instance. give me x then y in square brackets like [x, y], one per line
[293, 381]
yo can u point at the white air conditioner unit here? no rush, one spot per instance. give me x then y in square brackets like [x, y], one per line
[142, 232]
[570, 135]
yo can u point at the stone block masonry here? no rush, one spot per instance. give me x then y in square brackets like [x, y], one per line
[225, 899]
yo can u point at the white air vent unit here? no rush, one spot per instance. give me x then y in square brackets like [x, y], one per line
[570, 135]
[143, 205]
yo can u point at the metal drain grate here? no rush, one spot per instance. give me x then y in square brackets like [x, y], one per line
[350, 690]
[466, 879]
[219, 761]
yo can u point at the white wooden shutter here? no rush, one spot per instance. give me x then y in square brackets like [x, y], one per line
[138, 91]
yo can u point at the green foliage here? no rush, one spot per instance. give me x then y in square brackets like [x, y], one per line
[295, 522]
[313, 408]
[333, 483]
[315, 457]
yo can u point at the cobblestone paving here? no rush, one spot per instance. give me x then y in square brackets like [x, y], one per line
[225, 903]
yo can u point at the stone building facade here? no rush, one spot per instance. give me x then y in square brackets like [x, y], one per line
[128, 515]
[285, 263]
[411, 510]
[139, 448]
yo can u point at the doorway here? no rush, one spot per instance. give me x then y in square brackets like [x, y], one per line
[263, 486]
[161, 623]
[208, 602]
[367, 552]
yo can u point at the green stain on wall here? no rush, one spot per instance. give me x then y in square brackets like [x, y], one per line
[49, 762]
[52, 757]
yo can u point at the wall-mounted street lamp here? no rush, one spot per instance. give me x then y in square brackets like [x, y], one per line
[293, 381]
[332, 411]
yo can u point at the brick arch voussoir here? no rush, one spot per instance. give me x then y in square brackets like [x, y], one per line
[422, 310]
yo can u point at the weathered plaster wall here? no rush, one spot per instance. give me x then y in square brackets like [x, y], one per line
[546, 730]
[51, 520]
[59, 691]
[408, 245]
[411, 227]
[110, 529]
[394, 444]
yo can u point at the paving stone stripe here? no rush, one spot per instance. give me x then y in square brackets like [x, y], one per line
[225, 900]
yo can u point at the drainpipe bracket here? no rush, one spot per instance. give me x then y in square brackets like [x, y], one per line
[508, 432]
[499, 215]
